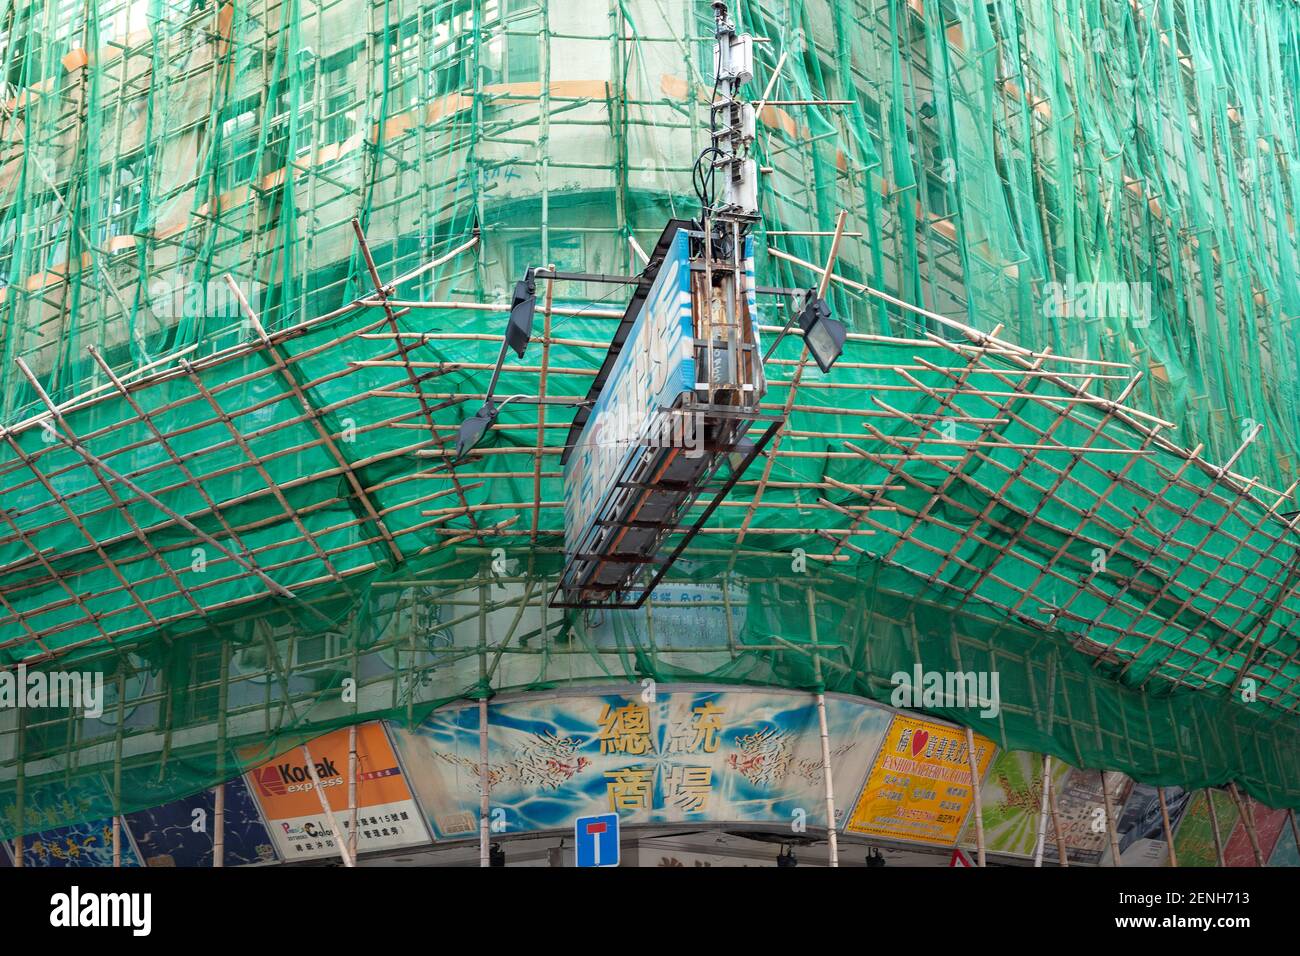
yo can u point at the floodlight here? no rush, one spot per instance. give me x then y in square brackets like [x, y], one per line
[520, 327]
[473, 428]
[823, 335]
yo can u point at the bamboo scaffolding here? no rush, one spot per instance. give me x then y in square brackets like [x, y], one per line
[1106, 425]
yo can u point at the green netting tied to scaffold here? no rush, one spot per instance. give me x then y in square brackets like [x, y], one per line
[1060, 443]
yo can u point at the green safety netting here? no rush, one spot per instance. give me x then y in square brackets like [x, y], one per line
[261, 516]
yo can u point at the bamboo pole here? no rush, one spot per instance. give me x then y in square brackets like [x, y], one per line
[21, 789]
[1062, 855]
[119, 730]
[339, 841]
[1042, 812]
[484, 777]
[976, 785]
[1169, 830]
[219, 795]
[353, 766]
[1248, 820]
[219, 826]
[1214, 827]
[1110, 821]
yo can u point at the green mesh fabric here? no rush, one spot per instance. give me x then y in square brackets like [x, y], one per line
[298, 522]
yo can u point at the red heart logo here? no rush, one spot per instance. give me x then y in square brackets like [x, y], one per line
[919, 740]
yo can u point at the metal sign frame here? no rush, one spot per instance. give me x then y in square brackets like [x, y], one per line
[677, 368]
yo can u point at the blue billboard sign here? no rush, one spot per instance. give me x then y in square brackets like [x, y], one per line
[652, 371]
[181, 833]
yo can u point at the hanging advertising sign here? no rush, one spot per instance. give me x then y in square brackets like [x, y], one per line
[181, 833]
[684, 756]
[1286, 852]
[1194, 840]
[82, 844]
[654, 368]
[1082, 811]
[387, 816]
[1268, 823]
[89, 843]
[920, 787]
[1141, 827]
[1012, 801]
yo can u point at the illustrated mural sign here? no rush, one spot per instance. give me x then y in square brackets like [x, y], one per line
[1194, 838]
[1238, 850]
[920, 789]
[82, 844]
[89, 843]
[680, 756]
[1285, 853]
[1012, 800]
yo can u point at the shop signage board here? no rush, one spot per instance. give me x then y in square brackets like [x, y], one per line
[387, 816]
[919, 789]
[654, 368]
[686, 755]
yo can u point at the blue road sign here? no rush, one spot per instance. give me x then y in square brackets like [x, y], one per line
[595, 840]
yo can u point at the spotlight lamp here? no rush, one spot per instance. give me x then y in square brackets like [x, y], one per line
[823, 335]
[520, 327]
[474, 428]
[519, 330]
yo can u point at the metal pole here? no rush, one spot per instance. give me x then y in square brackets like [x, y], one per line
[1169, 831]
[484, 856]
[979, 798]
[1042, 811]
[352, 791]
[117, 843]
[832, 835]
[325, 806]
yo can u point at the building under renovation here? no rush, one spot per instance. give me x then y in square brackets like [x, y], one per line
[324, 334]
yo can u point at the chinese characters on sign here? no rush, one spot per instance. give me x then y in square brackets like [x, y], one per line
[627, 730]
[687, 755]
[920, 788]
